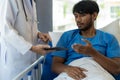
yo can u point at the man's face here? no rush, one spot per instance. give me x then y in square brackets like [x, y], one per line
[83, 21]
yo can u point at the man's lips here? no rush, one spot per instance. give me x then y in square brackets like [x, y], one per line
[80, 24]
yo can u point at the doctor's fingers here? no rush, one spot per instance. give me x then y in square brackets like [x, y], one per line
[48, 36]
[43, 50]
[44, 37]
[40, 49]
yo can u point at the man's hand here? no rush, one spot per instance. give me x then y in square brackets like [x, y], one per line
[87, 49]
[75, 72]
[44, 37]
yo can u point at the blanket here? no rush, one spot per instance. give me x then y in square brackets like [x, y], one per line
[95, 71]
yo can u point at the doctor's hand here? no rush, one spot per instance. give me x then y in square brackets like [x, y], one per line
[75, 72]
[44, 37]
[87, 49]
[40, 49]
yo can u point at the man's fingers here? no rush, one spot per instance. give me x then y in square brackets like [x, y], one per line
[83, 69]
[76, 46]
[88, 42]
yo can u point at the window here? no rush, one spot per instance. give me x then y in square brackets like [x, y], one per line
[63, 18]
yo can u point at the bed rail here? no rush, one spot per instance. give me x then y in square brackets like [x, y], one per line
[32, 72]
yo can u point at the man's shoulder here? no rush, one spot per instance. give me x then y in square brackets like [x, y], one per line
[72, 31]
[70, 34]
[104, 33]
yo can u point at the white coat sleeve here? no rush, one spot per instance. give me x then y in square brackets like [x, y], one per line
[11, 35]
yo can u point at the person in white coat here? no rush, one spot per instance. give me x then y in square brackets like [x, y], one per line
[19, 37]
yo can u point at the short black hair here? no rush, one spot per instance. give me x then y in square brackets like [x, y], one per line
[86, 6]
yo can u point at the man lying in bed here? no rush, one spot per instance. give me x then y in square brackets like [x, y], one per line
[91, 51]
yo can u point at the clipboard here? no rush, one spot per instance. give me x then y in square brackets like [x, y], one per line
[56, 48]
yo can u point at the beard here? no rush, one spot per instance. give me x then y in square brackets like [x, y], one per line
[87, 26]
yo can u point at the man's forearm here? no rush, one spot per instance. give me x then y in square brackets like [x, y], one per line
[110, 65]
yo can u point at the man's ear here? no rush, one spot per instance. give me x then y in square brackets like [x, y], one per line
[95, 14]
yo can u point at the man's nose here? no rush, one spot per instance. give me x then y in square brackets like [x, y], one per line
[79, 19]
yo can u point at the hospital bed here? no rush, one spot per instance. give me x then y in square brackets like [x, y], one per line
[32, 72]
[35, 68]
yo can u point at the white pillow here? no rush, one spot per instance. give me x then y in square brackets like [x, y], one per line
[55, 36]
[113, 28]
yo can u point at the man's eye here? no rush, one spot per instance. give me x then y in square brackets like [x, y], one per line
[76, 16]
[83, 15]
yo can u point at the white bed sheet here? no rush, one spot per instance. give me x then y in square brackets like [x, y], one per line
[95, 71]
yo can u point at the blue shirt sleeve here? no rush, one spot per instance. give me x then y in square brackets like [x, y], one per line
[113, 49]
[61, 43]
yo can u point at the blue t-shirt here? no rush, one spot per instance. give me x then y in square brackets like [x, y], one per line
[103, 42]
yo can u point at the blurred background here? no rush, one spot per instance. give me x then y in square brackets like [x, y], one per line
[63, 18]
